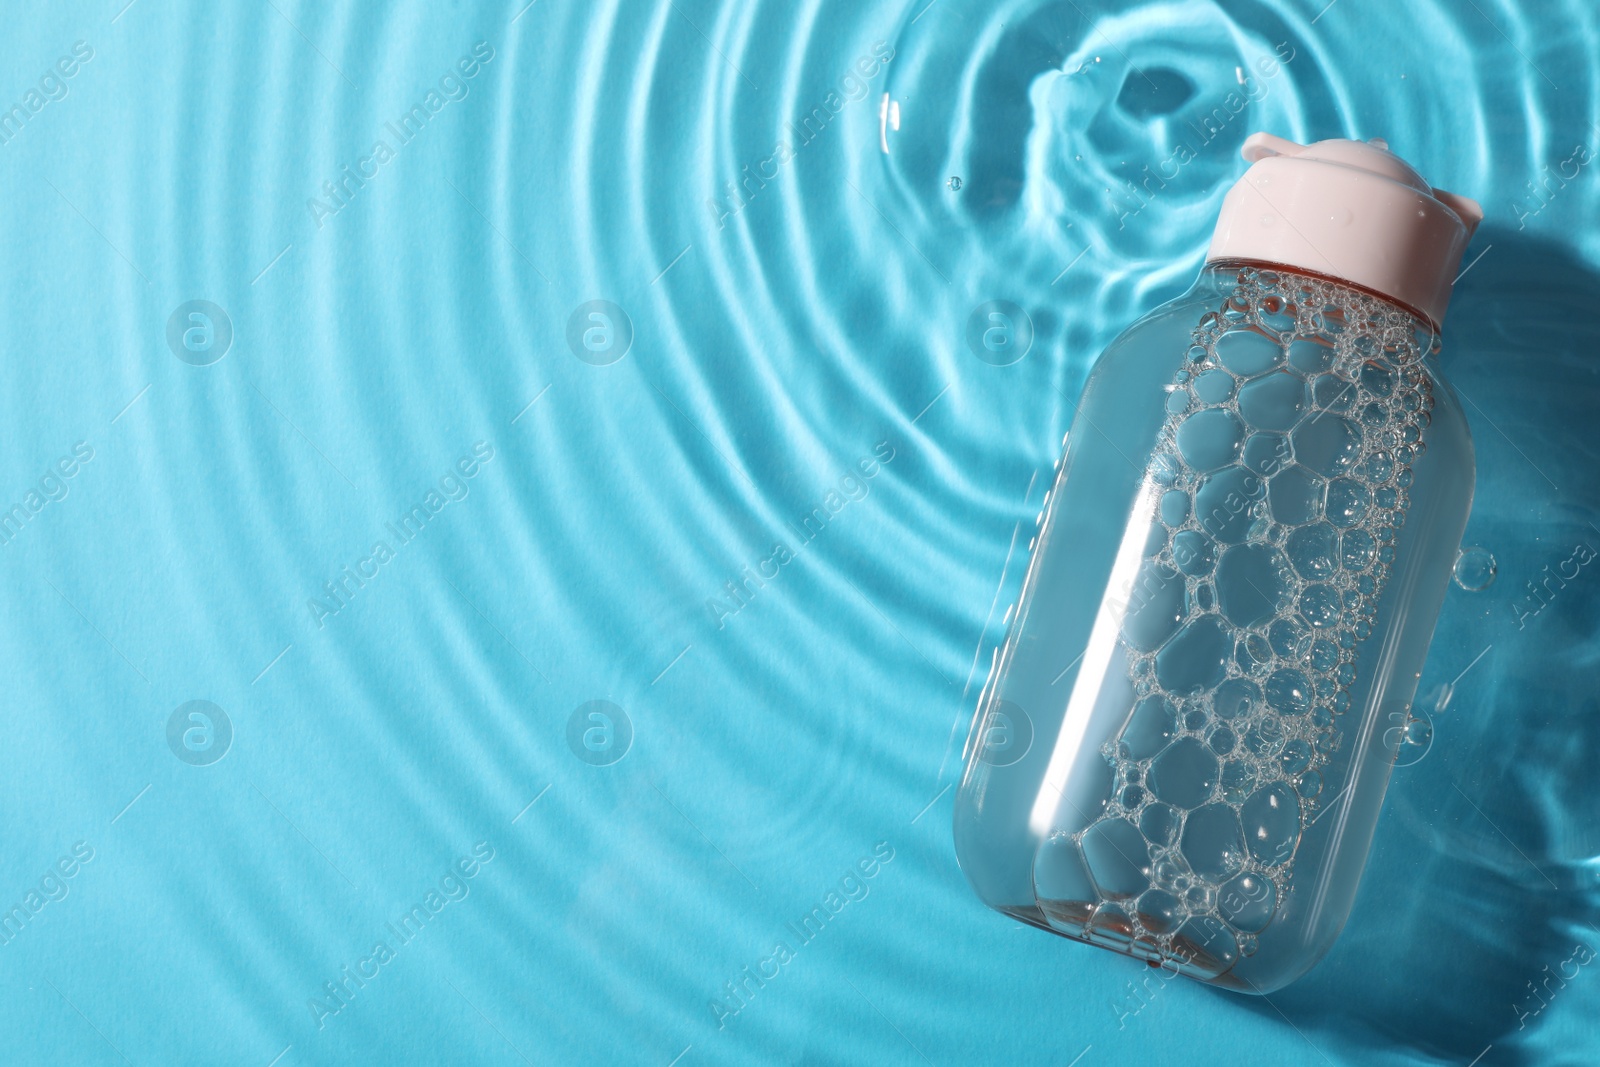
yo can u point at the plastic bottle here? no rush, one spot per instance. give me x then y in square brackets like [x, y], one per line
[1184, 741]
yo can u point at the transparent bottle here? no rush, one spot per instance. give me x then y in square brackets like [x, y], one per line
[1183, 744]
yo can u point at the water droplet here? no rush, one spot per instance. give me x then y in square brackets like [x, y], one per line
[954, 183]
[1418, 732]
[1475, 569]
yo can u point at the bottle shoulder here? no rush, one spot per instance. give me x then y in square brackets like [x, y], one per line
[1155, 344]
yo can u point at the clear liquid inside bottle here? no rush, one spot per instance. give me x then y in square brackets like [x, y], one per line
[1203, 779]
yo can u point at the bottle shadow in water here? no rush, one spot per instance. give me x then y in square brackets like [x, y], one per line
[1476, 903]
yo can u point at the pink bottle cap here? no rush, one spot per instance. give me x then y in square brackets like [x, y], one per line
[1350, 210]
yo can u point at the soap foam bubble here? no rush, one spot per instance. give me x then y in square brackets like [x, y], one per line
[1286, 463]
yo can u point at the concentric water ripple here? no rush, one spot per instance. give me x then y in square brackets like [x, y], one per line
[773, 508]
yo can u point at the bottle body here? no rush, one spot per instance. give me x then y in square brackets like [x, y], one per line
[1183, 744]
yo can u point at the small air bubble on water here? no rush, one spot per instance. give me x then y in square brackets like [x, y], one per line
[1418, 732]
[954, 183]
[1475, 569]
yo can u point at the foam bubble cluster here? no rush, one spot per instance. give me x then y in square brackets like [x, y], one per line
[1280, 480]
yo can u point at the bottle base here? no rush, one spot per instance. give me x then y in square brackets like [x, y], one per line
[1206, 952]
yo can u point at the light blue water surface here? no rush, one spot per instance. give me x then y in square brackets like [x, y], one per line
[798, 351]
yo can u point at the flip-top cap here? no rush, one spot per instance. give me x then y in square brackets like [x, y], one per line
[1351, 210]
